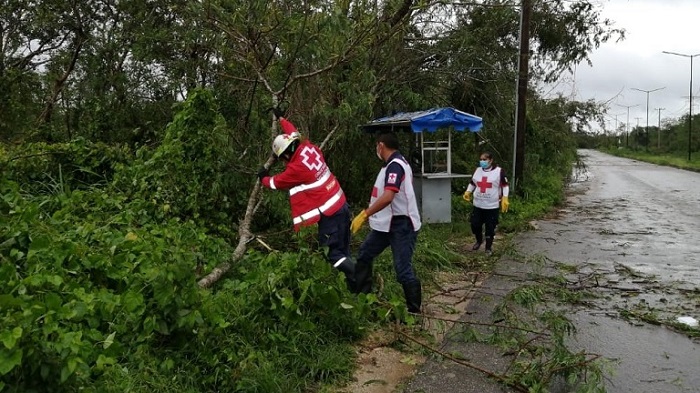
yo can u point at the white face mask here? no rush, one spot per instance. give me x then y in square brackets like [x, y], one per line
[378, 154]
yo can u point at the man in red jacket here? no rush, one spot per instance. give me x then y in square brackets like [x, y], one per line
[315, 195]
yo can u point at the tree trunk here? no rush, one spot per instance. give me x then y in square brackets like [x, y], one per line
[59, 84]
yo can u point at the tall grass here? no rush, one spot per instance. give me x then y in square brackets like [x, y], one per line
[676, 160]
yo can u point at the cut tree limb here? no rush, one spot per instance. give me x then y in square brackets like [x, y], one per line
[244, 235]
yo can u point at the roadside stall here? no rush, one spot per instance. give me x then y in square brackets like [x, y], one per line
[431, 155]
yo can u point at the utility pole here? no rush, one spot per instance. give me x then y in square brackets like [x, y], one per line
[690, 110]
[693, 99]
[521, 96]
[647, 128]
[627, 125]
[658, 133]
[616, 124]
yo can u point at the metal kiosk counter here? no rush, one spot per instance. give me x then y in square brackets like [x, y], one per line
[432, 159]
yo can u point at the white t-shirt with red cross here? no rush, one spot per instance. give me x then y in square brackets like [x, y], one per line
[487, 187]
[396, 175]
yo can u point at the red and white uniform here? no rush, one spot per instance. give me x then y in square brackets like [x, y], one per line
[313, 189]
[396, 175]
[487, 186]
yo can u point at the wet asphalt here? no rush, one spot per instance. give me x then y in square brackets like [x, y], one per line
[633, 226]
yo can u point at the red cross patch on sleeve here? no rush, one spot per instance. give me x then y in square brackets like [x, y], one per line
[391, 179]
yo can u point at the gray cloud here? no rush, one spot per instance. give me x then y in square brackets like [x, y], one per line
[652, 26]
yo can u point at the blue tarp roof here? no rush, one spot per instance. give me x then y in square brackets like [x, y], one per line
[430, 120]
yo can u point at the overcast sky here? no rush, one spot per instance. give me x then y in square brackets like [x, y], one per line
[652, 26]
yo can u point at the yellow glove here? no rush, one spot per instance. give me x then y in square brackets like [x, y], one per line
[504, 204]
[358, 221]
[467, 196]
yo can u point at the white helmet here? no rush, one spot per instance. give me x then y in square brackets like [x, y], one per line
[282, 142]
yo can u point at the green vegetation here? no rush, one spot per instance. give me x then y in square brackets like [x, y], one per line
[673, 160]
[665, 144]
[131, 134]
[541, 359]
[99, 280]
[99, 285]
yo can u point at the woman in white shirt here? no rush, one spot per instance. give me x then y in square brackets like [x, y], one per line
[489, 190]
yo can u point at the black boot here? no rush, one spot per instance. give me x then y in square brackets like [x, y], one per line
[479, 240]
[363, 278]
[348, 268]
[412, 292]
[489, 243]
[478, 235]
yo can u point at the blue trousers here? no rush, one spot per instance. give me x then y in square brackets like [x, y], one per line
[334, 233]
[402, 239]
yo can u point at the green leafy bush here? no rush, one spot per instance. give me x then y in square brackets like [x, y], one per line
[43, 168]
[188, 175]
[79, 292]
[98, 295]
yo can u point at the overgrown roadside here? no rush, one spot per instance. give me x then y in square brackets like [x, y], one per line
[625, 319]
[99, 288]
[495, 329]
[679, 161]
[508, 337]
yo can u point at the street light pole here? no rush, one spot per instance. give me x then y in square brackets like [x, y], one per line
[658, 131]
[627, 125]
[646, 130]
[690, 110]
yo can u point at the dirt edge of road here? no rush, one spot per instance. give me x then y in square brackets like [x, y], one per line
[382, 368]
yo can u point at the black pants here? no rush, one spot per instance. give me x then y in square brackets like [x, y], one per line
[484, 217]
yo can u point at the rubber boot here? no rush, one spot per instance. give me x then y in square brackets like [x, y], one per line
[478, 236]
[348, 268]
[363, 278]
[489, 243]
[412, 292]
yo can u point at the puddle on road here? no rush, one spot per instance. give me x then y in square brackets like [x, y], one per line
[580, 174]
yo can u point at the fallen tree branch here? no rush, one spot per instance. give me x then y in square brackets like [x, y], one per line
[264, 244]
[483, 324]
[520, 349]
[578, 365]
[244, 236]
[488, 373]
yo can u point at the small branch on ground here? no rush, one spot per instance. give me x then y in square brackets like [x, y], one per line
[488, 373]
[483, 324]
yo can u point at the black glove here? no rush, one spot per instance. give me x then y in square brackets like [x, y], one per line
[263, 172]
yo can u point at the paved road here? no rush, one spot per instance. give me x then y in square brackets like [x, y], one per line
[637, 226]
[629, 214]
[644, 216]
